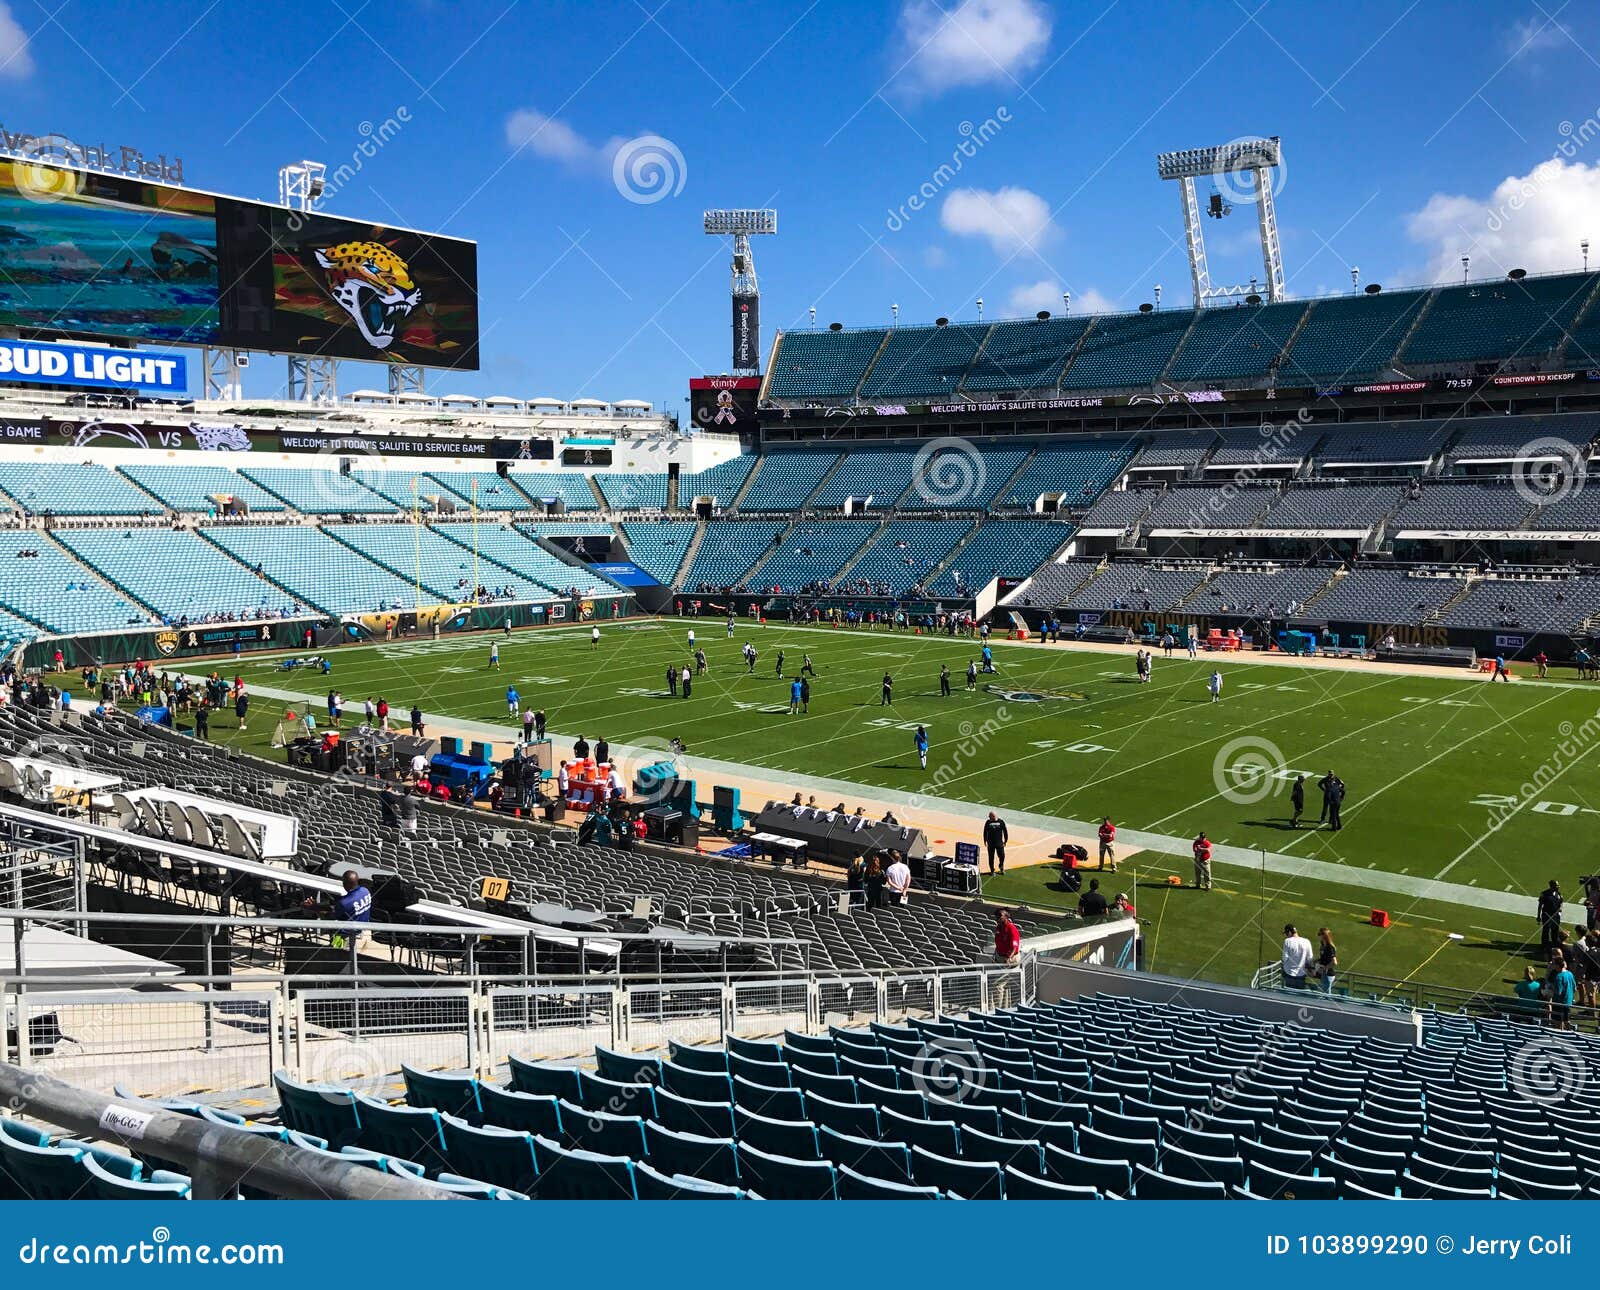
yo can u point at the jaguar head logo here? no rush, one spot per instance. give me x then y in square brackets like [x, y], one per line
[373, 285]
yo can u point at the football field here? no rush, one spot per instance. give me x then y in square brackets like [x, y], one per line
[1463, 786]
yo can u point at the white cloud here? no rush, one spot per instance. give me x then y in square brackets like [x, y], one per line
[1031, 297]
[16, 60]
[530, 130]
[1013, 219]
[973, 43]
[1533, 222]
[1534, 35]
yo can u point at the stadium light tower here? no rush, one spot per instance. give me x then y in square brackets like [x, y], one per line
[1242, 169]
[301, 186]
[741, 226]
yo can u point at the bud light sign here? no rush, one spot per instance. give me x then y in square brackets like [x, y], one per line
[94, 366]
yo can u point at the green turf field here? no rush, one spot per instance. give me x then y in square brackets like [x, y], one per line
[1490, 788]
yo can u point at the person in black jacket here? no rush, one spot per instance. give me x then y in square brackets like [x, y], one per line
[995, 836]
[1550, 916]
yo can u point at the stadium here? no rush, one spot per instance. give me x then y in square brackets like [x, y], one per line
[503, 796]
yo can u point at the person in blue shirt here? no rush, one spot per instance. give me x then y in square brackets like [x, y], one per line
[513, 701]
[988, 659]
[1562, 987]
[1500, 673]
[794, 696]
[921, 739]
[355, 906]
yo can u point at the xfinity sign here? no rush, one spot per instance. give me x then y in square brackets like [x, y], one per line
[46, 364]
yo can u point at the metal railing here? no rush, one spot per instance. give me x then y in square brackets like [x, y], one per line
[194, 1032]
[1424, 996]
[218, 1159]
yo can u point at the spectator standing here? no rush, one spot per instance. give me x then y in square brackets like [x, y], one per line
[874, 882]
[1007, 939]
[416, 721]
[995, 837]
[1327, 960]
[1297, 958]
[1562, 986]
[1530, 994]
[1108, 845]
[1202, 862]
[1092, 904]
[1550, 916]
[897, 878]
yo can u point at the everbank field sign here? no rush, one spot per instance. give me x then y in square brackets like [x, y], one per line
[119, 160]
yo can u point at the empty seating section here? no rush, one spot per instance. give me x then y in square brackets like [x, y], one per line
[513, 548]
[1054, 583]
[178, 574]
[1228, 344]
[880, 474]
[1332, 506]
[1210, 508]
[319, 492]
[907, 552]
[1120, 509]
[1459, 504]
[572, 490]
[813, 553]
[821, 364]
[412, 491]
[1382, 596]
[1345, 338]
[1024, 355]
[483, 489]
[1505, 439]
[1535, 604]
[728, 550]
[14, 631]
[658, 547]
[1183, 448]
[959, 478]
[1103, 1096]
[1000, 548]
[316, 568]
[1577, 512]
[196, 488]
[722, 482]
[1407, 443]
[1264, 446]
[1079, 472]
[625, 492]
[53, 590]
[67, 488]
[1137, 587]
[1126, 349]
[445, 569]
[1258, 591]
[923, 360]
[785, 479]
[1506, 320]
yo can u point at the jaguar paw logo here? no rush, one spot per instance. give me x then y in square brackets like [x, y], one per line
[166, 644]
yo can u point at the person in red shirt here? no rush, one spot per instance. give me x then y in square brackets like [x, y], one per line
[1108, 845]
[1007, 938]
[1543, 660]
[1202, 863]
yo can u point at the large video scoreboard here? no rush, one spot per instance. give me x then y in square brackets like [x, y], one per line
[104, 256]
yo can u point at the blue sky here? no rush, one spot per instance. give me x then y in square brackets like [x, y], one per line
[1412, 134]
